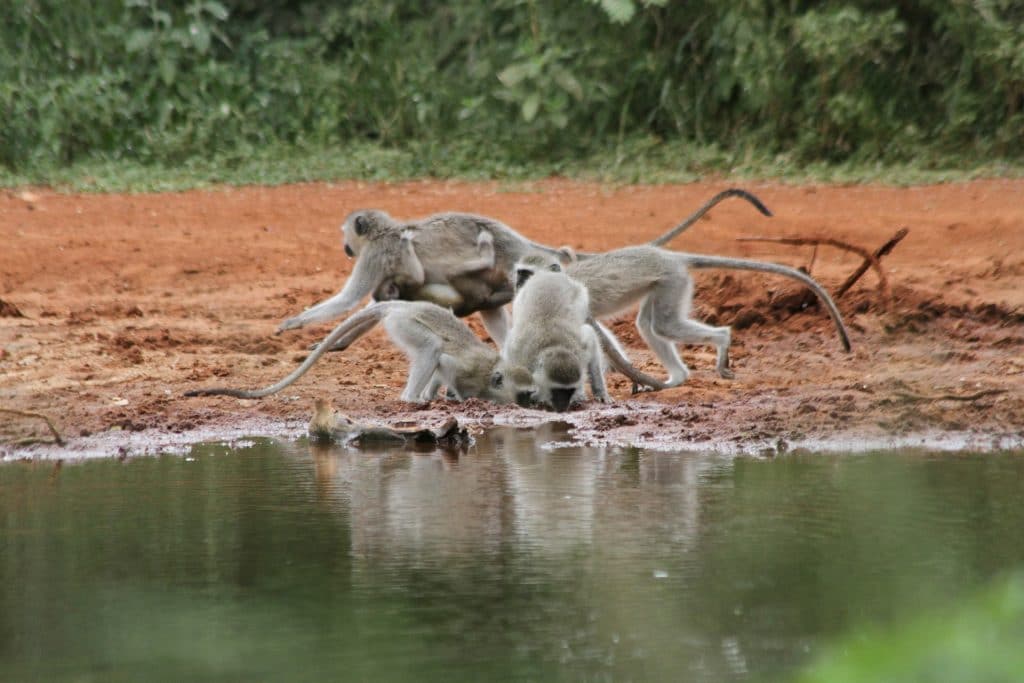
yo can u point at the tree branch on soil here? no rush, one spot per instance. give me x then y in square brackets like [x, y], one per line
[57, 439]
[911, 397]
[871, 260]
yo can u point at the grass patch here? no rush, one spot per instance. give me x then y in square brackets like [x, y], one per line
[637, 161]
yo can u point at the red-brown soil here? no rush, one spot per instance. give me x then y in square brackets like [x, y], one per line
[127, 301]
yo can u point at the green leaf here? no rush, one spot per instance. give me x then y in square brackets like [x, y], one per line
[138, 41]
[530, 106]
[216, 10]
[513, 75]
[569, 84]
[168, 70]
[200, 37]
[619, 11]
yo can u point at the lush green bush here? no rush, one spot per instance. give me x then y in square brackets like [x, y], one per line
[978, 641]
[525, 81]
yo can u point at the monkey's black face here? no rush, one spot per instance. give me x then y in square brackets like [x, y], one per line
[349, 252]
[561, 398]
[525, 399]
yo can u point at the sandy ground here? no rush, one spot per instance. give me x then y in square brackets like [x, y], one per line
[127, 301]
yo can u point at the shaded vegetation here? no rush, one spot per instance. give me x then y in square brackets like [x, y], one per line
[979, 641]
[512, 88]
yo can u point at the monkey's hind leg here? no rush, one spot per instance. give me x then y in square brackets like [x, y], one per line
[663, 348]
[669, 307]
[595, 365]
[423, 349]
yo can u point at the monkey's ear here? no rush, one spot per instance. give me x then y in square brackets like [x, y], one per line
[361, 225]
[566, 255]
[497, 379]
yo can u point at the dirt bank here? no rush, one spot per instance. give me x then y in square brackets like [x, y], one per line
[126, 301]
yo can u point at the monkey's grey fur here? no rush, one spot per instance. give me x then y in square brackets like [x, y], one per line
[460, 260]
[660, 281]
[552, 339]
[441, 350]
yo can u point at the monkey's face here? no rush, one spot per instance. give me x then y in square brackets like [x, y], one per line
[527, 266]
[511, 383]
[357, 229]
[559, 380]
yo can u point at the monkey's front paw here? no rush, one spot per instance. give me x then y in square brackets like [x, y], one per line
[289, 324]
[726, 373]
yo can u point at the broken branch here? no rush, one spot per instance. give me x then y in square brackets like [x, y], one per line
[909, 396]
[883, 283]
[57, 439]
[879, 253]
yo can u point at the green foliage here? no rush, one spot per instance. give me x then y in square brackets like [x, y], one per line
[524, 82]
[980, 641]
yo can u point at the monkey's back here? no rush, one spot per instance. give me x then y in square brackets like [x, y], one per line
[617, 279]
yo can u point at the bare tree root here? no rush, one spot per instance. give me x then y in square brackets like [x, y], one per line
[57, 438]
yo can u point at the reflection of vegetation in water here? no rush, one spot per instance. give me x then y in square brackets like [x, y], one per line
[979, 641]
[278, 562]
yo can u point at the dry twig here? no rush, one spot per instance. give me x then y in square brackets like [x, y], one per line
[57, 438]
[912, 397]
[879, 253]
[871, 259]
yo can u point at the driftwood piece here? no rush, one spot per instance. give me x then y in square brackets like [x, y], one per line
[57, 438]
[329, 426]
[879, 253]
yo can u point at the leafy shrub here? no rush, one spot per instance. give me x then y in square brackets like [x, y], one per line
[528, 81]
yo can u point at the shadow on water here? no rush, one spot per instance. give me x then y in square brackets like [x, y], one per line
[511, 561]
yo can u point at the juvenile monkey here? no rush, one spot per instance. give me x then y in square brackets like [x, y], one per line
[441, 350]
[551, 338]
[448, 264]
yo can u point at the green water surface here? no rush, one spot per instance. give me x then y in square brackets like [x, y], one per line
[510, 562]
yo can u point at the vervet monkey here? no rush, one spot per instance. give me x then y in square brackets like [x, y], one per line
[441, 350]
[552, 339]
[442, 263]
[659, 280]
[449, 263]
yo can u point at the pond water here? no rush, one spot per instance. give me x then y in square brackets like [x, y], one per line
[291, 562]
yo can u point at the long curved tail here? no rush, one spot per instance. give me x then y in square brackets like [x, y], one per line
[340, 338]
[702, 262]
[619, 361]
[699, 213]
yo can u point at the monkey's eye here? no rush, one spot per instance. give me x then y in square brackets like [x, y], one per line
[360, 225]
[555, 268]
[349, 252]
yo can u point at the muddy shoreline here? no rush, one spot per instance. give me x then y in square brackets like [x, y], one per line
[118, 304]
